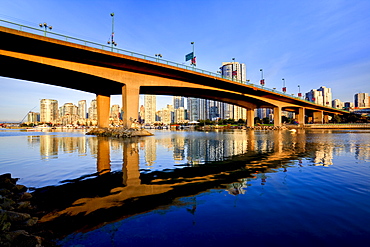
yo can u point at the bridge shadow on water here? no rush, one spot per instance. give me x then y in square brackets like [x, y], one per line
[91, 201]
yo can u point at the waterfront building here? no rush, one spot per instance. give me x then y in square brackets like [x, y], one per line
[234, 71]
[150, 108]
[321, 96]
[179, 115]
[315, 96]
[48, 110]
[115, 112]
[337, 103]
[178, 101]
[33, 117]
[326, 95]
[362, 100]
[193, 107]
[93, 111]
[82, 106]
[238, 72]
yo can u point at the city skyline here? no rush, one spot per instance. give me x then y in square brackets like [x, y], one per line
[309, 43]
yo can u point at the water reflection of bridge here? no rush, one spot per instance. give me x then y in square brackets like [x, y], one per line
[110, 196]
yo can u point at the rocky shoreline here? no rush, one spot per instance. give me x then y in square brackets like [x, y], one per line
[18, 217]
[119, 132]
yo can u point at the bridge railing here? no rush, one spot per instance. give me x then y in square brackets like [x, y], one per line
[50, 34]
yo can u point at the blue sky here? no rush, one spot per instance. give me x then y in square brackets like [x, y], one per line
[310, 43]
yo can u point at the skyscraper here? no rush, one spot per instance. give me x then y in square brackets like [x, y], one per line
[234, 71]
[327, 96]
[362, 100]
[93, 110]
[48, 110]
[82, 109]
[178, 101]
[150, 108]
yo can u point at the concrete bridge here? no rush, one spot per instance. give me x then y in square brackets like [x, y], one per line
[58, 60]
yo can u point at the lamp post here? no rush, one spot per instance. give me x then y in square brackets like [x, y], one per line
[112, 36]
[193, 61]
[233, 71]
[262, 81]
[158, 56]
[45, 26]
[284, 88]
[299, 91]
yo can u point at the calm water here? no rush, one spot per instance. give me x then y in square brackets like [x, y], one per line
[270, 188]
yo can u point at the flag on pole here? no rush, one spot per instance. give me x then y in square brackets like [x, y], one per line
[189, 56]
[194, 61]
[234, 72]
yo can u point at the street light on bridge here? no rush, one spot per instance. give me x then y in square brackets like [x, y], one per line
[45, 26]
[284, 88]
[299, 91]
[112, 42]
[158, 56]
[262, 81]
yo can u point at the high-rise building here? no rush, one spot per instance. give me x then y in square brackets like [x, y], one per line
[178, 101]
[115, 112]
[150, 108]
[321, 96]
[315, 96]
[362, 100]
[33, 117]
[235, 71]
[193, 109]
[327, 96]
[82, 109]
[179, 115]
[93, 110]
[337, 103]
[48, 110]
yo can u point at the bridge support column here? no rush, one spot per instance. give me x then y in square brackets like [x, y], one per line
[103, 108]
[326, 118]
[250, 117]
[277, 116]
[301, 116]
[130, 104]
[318, 117]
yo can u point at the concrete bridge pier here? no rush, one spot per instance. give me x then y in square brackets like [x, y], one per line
[130, 104]
[277, 116]
[103, 109]
[318, 117]
[250, 117]
[300, 116]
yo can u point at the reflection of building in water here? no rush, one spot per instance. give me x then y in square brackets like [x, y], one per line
[150, 150]
[324, 155]
[179, 148]
[48, 147]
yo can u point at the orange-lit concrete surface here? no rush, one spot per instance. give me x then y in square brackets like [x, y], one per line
[51, 61]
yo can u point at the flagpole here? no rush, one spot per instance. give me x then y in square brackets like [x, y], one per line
[192, 63]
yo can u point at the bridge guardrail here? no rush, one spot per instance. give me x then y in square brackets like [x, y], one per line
[91, 44]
